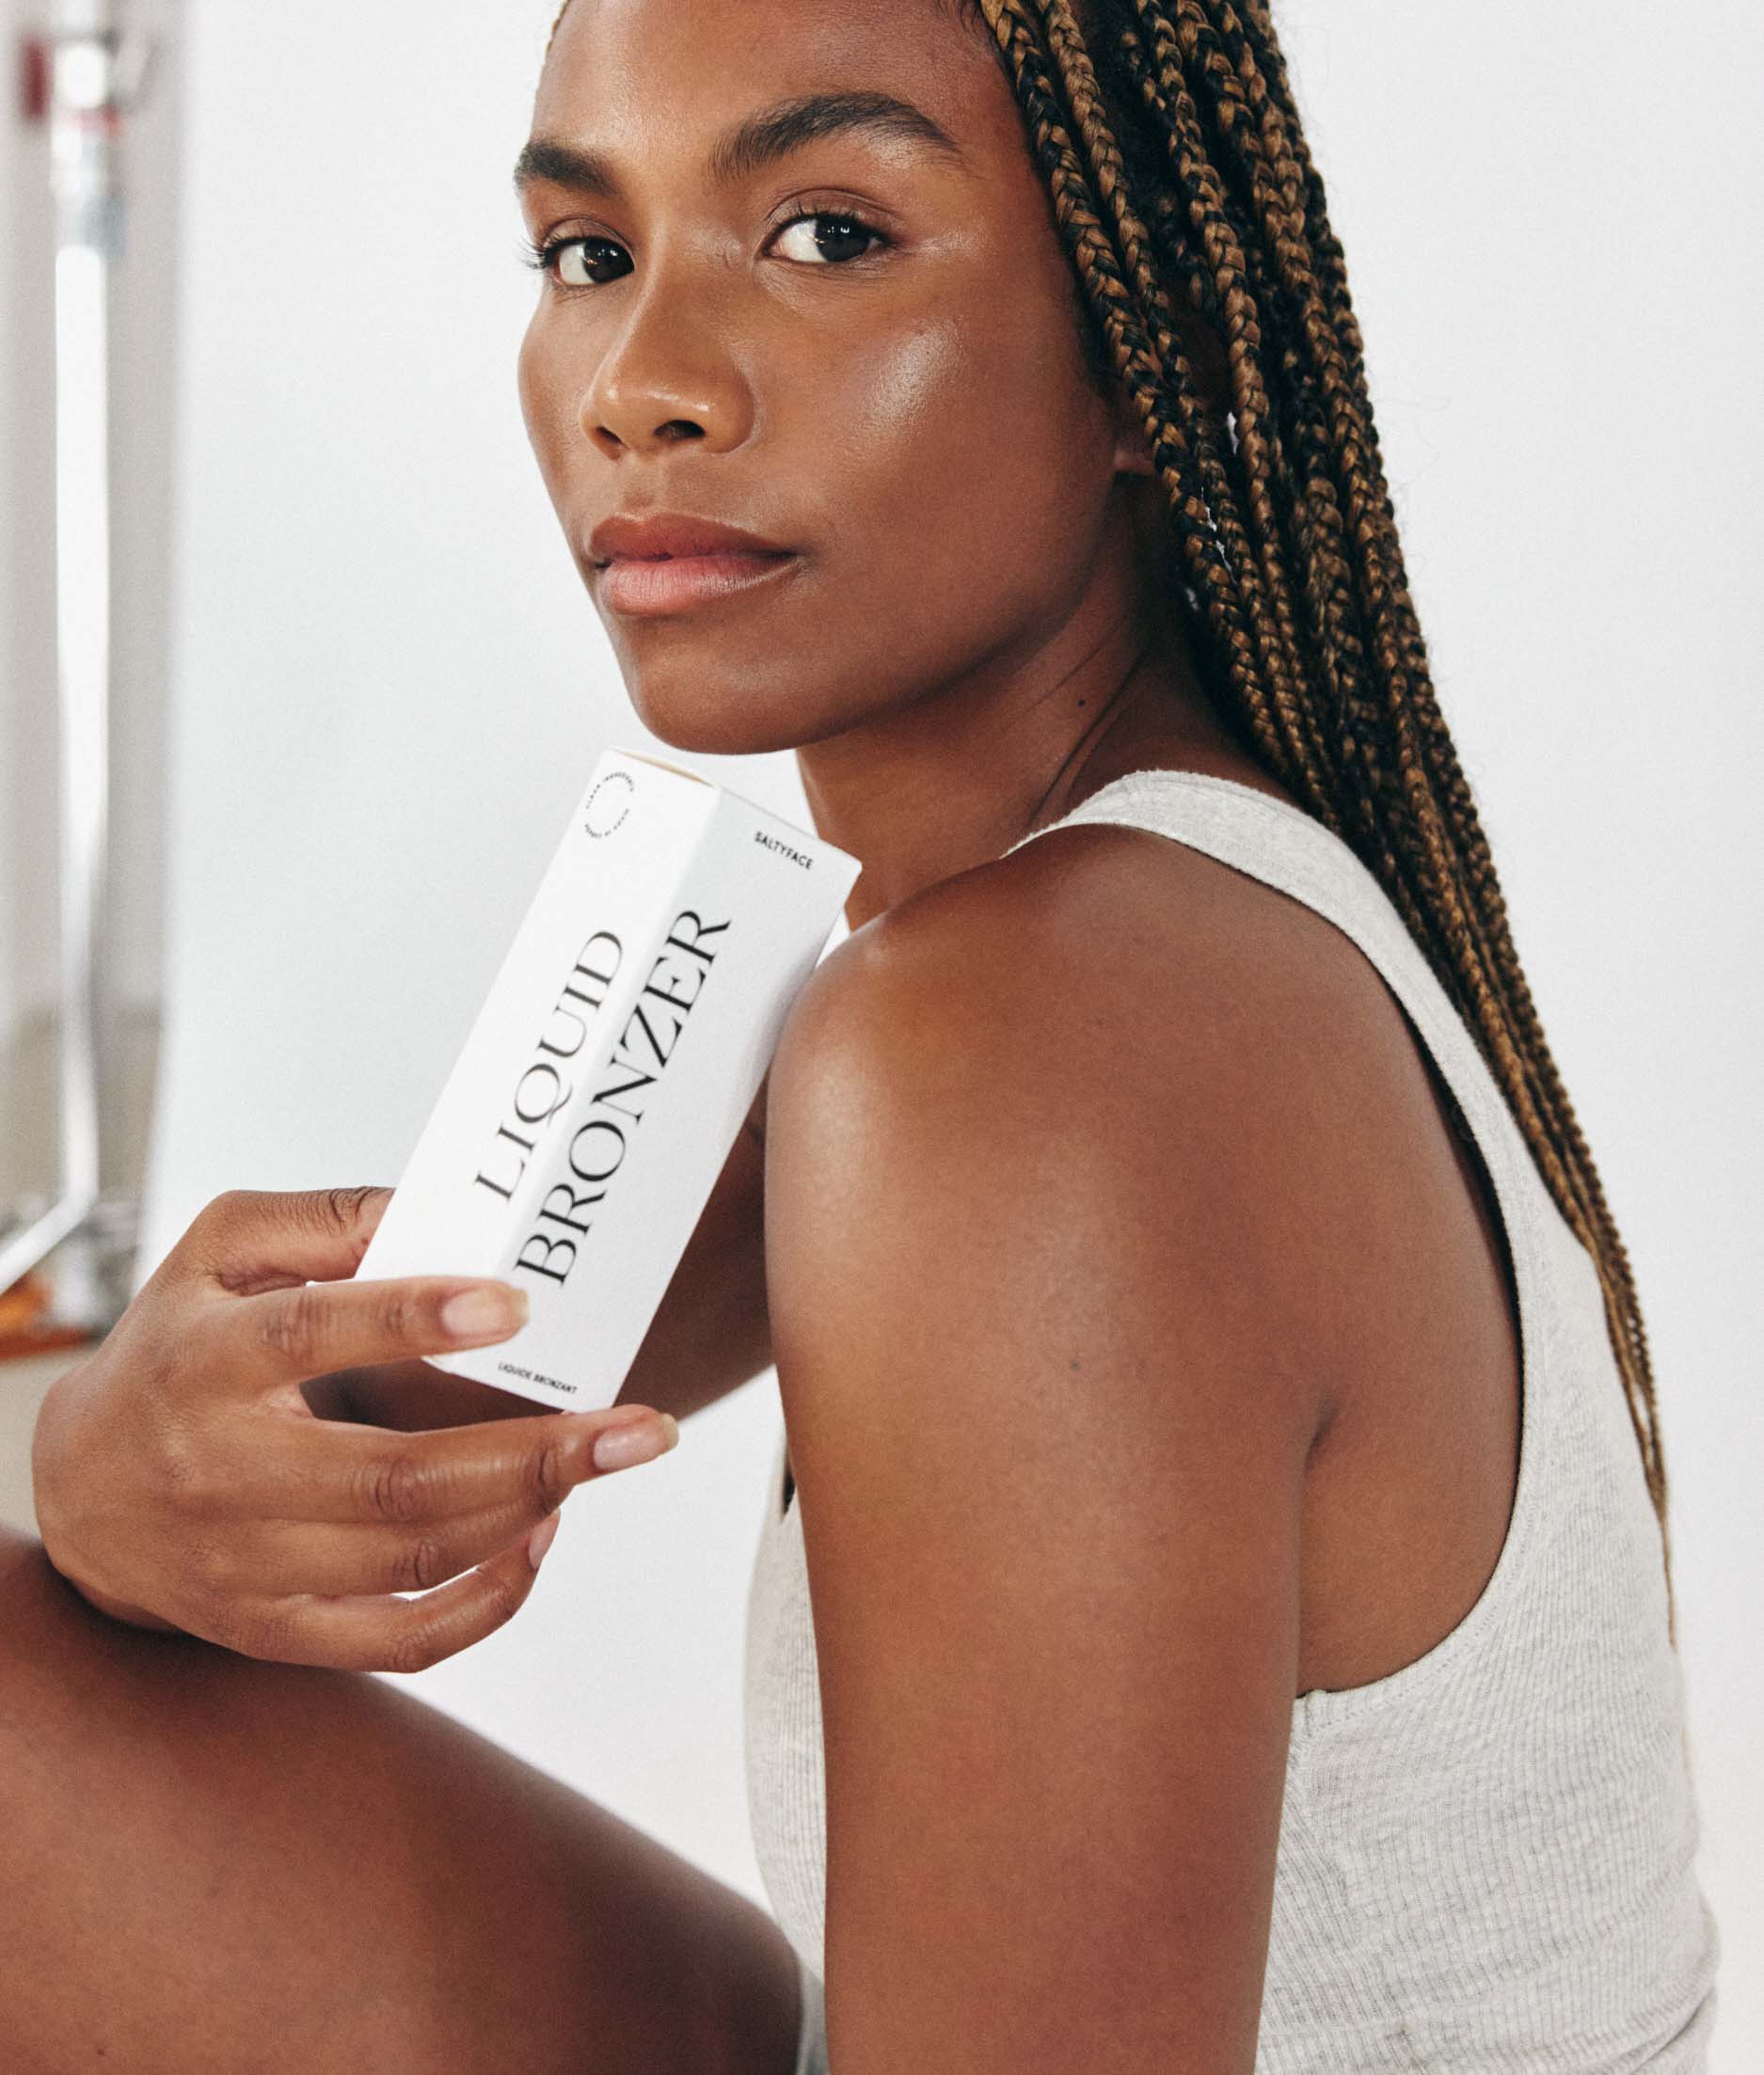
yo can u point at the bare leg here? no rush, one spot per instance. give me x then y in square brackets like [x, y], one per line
[217, 1864]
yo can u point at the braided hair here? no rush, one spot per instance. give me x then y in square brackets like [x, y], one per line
[1183, 191]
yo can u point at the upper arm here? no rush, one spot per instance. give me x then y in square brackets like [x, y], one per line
[1049, 1405]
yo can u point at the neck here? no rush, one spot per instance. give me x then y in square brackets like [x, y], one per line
[951, 781]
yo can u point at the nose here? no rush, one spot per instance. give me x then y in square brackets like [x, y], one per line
[668, 374]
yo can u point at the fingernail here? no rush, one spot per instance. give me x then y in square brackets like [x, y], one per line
[540, 1539]
[489, 1312]
[619, 1448]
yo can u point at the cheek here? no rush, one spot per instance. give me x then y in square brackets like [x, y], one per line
[966, 465]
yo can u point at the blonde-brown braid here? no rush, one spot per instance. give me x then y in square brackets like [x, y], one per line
[1269, 587]
[1560, 1146]
[1172, 146]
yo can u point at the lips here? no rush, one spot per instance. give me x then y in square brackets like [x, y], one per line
[663, 586]
[666, 536]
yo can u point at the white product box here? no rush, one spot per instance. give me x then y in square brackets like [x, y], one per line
[585, 1122]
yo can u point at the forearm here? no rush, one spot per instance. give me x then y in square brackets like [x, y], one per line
[712, 1331]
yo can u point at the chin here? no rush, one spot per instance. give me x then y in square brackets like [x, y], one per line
[717, 714]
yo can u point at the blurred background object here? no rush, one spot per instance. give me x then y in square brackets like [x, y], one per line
[85, 515]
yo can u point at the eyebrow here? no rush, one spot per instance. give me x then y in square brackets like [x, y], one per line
[759, 139]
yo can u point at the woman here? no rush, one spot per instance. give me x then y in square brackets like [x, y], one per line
[1229, 1475]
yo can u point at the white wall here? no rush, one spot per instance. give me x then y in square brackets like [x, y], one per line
[389, 688]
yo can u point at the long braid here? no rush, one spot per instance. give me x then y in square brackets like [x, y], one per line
[1171, 143]
[1169, 138]
[1297, 723]
[1184, 449]
[1444, 766]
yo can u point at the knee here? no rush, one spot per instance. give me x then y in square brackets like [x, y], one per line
[28, 1584]
[22, 1560]
[38, 1608]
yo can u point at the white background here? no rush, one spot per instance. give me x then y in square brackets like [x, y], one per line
[388, 688]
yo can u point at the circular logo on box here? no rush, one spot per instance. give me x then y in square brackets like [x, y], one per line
[608, 803]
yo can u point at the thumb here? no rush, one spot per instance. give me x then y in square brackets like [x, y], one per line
[263, 1238]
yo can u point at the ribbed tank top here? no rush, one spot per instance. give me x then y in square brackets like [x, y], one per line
[1486, 1859]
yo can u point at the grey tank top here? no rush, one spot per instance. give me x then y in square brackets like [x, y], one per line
[1486, 1859]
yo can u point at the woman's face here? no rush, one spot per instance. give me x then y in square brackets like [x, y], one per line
[905, 405]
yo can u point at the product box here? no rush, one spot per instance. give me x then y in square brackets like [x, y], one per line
[585, 1122]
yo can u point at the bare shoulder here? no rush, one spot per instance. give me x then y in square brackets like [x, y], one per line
[1202, 1051]
[1112, 912]
[1140, 1091]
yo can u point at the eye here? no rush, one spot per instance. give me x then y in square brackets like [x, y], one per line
[567, 260]
[847, 227]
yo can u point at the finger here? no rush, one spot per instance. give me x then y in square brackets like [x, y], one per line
[270, 1558]
[249, 1239]
[287, 1336]
[299, 1469]
[358, 1632]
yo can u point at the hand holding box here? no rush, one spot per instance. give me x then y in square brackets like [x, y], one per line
[585, 1122]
